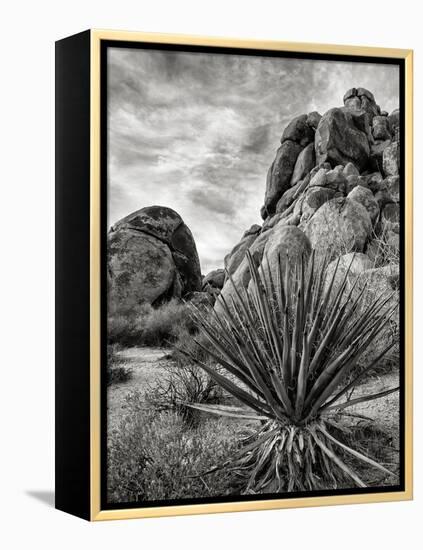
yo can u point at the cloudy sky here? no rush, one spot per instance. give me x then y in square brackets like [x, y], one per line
[197, 132]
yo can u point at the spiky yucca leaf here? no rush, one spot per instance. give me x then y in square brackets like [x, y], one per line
[287, 345]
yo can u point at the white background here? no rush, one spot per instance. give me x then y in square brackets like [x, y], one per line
[28, 32]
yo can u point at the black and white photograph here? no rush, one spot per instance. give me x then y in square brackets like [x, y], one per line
[211, 292]
[253, 276]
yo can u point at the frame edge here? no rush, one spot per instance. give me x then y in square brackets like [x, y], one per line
[96, 514]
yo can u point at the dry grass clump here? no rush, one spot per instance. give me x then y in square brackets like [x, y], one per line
[181, 386]
[152, 456]
[117, 369]
[144, 325]
[383, 250]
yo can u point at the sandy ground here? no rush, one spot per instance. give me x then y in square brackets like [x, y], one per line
[385, 410]
[147, 365]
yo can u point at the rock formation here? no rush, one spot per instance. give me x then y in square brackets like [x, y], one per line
[152, 258]
[236, 255]
[335, 187]
[213, 283]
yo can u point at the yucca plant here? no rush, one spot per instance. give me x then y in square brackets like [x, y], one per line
[289, 349]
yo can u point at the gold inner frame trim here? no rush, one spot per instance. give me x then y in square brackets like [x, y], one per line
[95, 272]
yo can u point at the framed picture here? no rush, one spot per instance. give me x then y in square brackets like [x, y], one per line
[234, 275]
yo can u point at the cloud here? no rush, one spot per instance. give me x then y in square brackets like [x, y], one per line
[213, 201]
[197, 132]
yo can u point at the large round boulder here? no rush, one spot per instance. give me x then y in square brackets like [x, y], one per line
[364, 196]
[215, 278]
[140, 268]
[234, 258]
[360, 99]
[152, 258]
[279, 175]
[159, 221]
[339, 226]
[304, 164]
[313, 200]
[342, 137]
[299, 130]
[287, 242]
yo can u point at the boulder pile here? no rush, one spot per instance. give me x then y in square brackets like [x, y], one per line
[334, 186]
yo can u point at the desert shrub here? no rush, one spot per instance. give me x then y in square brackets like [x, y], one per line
[180, 386]
[148, 326]
[124, 325]
[117, 369]
[383, 251]
[119, 373]
[386, 285]
[164, 324]
[119, 330]
[291, 340]
[184, 382]
[152, 456]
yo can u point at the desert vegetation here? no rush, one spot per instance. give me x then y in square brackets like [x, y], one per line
[145, 325]
[117, 369]
[257, 396]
